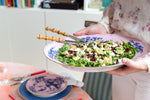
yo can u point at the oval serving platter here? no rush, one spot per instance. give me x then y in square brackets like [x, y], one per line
[52, 49]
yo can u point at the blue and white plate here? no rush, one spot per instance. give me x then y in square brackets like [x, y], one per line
[25, 94]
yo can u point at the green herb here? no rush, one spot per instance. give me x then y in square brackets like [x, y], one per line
[96, 53]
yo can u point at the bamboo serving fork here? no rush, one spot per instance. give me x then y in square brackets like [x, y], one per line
[77, 40]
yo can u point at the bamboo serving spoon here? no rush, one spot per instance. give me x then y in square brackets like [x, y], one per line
[77, 40]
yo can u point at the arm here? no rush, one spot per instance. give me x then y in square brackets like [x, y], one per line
[102, 27]
[107, 17]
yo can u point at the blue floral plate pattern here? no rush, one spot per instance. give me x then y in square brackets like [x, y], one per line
[51, 50]
[25, 94]
[46, 85]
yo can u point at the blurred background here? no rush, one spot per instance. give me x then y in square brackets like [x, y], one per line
[22, 20]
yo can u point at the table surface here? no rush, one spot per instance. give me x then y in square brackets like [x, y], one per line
[17, 69]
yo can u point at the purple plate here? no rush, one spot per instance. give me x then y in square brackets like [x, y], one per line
[26, 95]
[46, 85]
[51, 50]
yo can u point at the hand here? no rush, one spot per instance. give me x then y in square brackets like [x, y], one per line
[93, 29]
[131, 67]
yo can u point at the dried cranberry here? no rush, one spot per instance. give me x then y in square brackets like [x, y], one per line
[91, 57]
[99, 55]
[102, 58]
[94, 59]
[117, 62]
[86, 53]
[79, 46]
[70, 52]
[127, 50]
[112, 49]
[82, 56]
[74, 53]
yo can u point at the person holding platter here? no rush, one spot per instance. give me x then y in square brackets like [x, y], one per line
[129, 18]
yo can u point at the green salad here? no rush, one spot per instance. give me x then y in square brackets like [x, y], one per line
[96, 53]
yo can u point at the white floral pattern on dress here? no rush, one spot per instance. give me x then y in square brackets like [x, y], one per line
[130, 18]
[133, 15]
[146, 27]
[117, 6]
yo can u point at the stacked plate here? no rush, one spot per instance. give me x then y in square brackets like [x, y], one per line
[45, 87]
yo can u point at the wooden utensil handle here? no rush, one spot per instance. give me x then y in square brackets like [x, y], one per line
[49, 38]
[56, 31]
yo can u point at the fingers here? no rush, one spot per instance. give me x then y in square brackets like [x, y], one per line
[128, 62]
[131, 67]
[79, 33]
[124, 70]
[136, 64]
[120, 71]
[93, 29]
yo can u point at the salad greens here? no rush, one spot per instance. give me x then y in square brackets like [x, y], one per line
[96, 53]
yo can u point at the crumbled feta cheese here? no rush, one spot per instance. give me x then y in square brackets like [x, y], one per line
[120, 61]
[103, 65]
[95, 47]
[87, 59]
[114, 45]
[104, 52]
[76, 58]
[77, 49]
[81, 52]
[112, 54]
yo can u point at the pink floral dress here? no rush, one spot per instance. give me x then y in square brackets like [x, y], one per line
[130, 18]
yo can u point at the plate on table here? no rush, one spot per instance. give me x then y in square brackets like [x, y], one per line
[25, 94]
[46, 85]
[52, 49]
